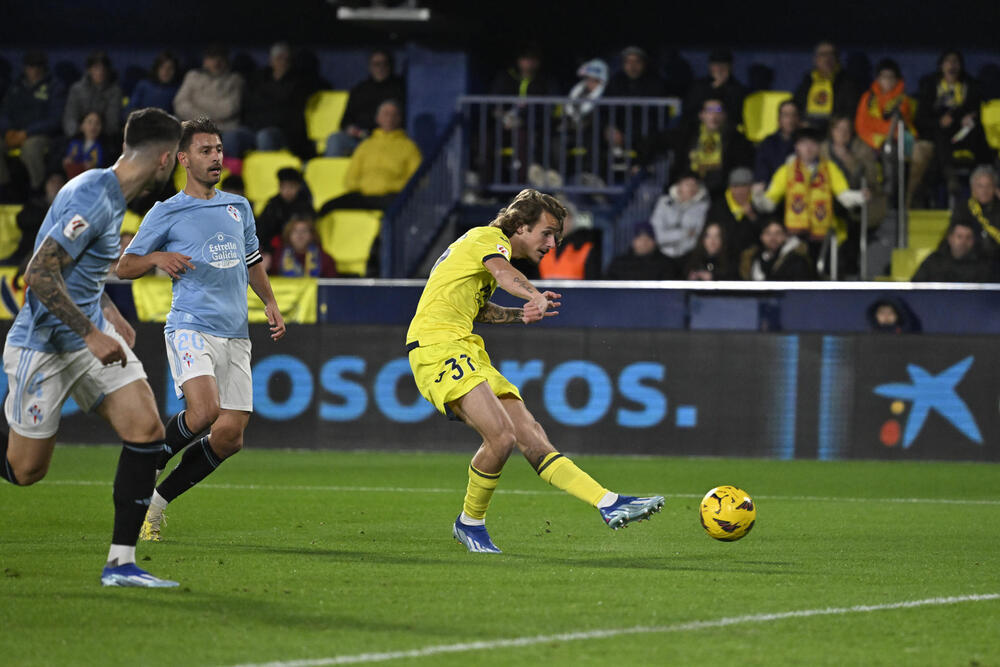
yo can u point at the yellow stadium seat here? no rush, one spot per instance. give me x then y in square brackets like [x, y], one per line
[927, 227]
[260, 174]
[760, 113]
[324, 111]
[989, 114]
[10, 233]
[131, 222]
[348, 235]
[906, 261]
[325, 178]
[181, 179]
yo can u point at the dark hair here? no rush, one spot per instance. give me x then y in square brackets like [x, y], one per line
[952, 52]
[149, 126]
[99, 57]
[232, 181]
[388, 55]
[787, 103]
[216, 50]
[189, 128]
[162, 57]
[526, 209]
[888, 64]
[699, 256]
[773, 221]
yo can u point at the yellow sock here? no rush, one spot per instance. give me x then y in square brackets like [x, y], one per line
[479, 492]
[563, 474]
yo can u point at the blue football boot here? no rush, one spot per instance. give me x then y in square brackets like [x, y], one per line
[627, 509]
[475, 538]
[131, 575]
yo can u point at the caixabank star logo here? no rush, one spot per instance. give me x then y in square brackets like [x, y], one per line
[927, 393]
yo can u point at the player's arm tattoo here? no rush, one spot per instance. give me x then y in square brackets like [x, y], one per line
[491, 313]
[44, 277]
[523, 283]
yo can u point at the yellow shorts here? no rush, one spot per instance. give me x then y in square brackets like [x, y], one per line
[445, 372]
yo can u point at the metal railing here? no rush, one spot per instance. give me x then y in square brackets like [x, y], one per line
[417, 215]
[559, 143]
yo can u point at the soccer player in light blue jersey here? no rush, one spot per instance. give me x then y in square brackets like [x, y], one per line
[70, 340]
[206, 240]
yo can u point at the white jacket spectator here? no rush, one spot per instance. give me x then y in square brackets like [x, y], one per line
[678, 217]
[212, 91]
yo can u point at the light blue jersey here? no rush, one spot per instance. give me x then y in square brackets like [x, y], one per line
[220, 237]
[85, 219]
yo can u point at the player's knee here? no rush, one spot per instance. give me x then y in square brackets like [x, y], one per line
[504, 442]
[198, 417]
[28, 474]
[226, 441]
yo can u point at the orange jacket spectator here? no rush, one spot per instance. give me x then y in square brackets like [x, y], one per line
[873, 121]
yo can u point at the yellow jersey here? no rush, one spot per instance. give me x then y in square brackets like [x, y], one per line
[458, 287]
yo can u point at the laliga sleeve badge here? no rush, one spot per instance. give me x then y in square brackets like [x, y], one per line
[76, 226]
[503, 250]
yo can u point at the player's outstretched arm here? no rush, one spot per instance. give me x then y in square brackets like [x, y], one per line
[515, 283]
[491, 313]
[44, 277]
[132, 266]
[262, 287]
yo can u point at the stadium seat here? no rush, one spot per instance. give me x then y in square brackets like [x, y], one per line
[260, 174]
[347, 236]
[131, 222]
[927, 227]
[324, 111]
[325, 178]
[906, 261]
[10, 233]
[760, 113]
[989, 114]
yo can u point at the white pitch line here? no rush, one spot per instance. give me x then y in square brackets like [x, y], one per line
[518, 642]
[522, 492]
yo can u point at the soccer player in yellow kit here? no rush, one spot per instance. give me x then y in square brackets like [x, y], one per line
[453, 371]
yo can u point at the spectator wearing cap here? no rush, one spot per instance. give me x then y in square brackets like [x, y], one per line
[293, 197]
[679, 215]
[736, 213]
[635, 79]
[382, 164]
[643, 261]
[29, 116]
[362, 104]
[160, 87]
[772, 152]
[216, 92]
[718, 85]
[826, 90]
[808, 185]
[274, 105]
[593, 80]
[95, 91]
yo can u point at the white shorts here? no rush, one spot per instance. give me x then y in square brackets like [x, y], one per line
[194, 353]
[40, 382]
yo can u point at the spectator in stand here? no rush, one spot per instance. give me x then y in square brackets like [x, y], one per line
[233, 184]
[713, 148]
[947, 120]
[634, 80]
[892, 315]
[31, 215]
[526, 78]
[381, 166]
[578, 254]
[96, 91]
[159, 89]
[578, 117]
[826, 90]
[678, 217]
[29, 118]
[293, 198]
[381, 85]
[299, 253]
[780, 256]
[880, 110]
[711, 259]
[84, 150]
[859, 165]
[982, 210]
[275, 103]
[775, 148]
[808, 185]
[593, 80]
[719, 85]
[958, 259]
[643, 261]
[736, 213]
[216, 92]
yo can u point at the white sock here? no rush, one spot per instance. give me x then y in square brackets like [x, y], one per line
[158, 501]
[469, 521]
[610, 498]
[122, 554]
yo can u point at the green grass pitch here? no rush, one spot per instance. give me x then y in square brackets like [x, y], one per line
[313, 556]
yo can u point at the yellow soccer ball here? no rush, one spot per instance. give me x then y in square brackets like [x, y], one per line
[727, 513]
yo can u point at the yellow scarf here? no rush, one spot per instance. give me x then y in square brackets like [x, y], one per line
[819, 101]
[953, 94]
[809, 201]
[734, 208]
[977, 210]
[707, 153]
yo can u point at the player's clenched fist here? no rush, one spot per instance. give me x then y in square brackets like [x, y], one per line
[538, 306]
[108, 350]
